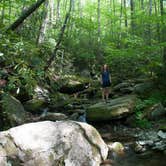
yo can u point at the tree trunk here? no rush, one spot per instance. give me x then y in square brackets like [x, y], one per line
[142, 4]
[3, 12]
[58, 11]
[44, 24]
[99, 22]
[27, 13]
[60, 37]
[125, 11]
[163, 30]
[132, 6]
[149, 35]
[157, 25]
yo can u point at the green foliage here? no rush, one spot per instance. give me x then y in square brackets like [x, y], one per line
[23, 63]
[143, 104]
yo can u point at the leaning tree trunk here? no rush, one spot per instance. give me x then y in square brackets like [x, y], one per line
[60, 37]
[27, 13]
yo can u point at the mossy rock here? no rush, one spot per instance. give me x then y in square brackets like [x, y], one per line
[71, 84]
[114, 109]
[34, 105]
[13, 110]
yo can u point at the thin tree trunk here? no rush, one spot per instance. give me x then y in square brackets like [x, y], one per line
[9, 11]
[157, 25]
[125, 13]
[3, 12]
[44, 24]
[132, 6]
[142, 4]
[60, 37]
[58, 11]
[163, 29]
[99, 22]
[149, 24]
[27, 13]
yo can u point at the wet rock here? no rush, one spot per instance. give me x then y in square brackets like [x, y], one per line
[53, 143]
[143, 88]
[35, 105]
[41, 93]
[53, 116]
[73, 84]
[13, 110]
[162, 134]
[161, 146]
[59, 101]
[124, 88]
[138, 148]
[116, 147]
[106, 163]
[114, 109]
[146, 142]
[156, 112]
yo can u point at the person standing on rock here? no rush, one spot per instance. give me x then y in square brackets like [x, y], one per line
[105, 82]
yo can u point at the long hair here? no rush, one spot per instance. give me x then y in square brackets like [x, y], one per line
[102, 68]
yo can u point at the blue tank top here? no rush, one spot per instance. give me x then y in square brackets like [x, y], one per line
[105, 76]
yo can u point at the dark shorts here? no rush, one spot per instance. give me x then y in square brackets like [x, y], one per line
[106, 84]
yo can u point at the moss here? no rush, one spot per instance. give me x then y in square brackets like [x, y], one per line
[34, 105]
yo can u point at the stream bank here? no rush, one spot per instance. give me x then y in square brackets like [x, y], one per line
[115, 120]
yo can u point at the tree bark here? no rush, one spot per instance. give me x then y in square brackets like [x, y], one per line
[163, 30]
[53, 55]
[132, 6]
[58, 11]
[125, 11]
[27, 13]
[3, 12]
[43, 24]
[98, 21]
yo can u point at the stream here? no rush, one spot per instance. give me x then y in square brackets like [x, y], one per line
[118, 133]
[130, 158]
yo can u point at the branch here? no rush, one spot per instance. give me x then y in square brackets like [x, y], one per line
[25, 14]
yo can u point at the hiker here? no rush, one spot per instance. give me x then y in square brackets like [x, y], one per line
[105, 82]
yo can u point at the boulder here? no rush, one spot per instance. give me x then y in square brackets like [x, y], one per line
[156, 112]
[49, 143]
[53, 116]
[34, 105]
[124, 88]
[114, 109]
[59, 101]
[73, 84]
[13, 110]
[116, 147]
[143, 88]
[162, 134]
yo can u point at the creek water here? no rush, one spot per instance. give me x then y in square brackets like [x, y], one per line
[130, 158]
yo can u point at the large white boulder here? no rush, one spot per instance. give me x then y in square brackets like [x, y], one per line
[62, 143]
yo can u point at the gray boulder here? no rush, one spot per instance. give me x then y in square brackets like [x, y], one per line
[156, 112]
[48, 143]
[114, 109]
[143, 88]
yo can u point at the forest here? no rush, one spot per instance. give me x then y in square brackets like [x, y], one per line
[55, 108]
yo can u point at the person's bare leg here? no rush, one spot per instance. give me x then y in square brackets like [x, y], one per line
[103, 94]
[107, 93]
